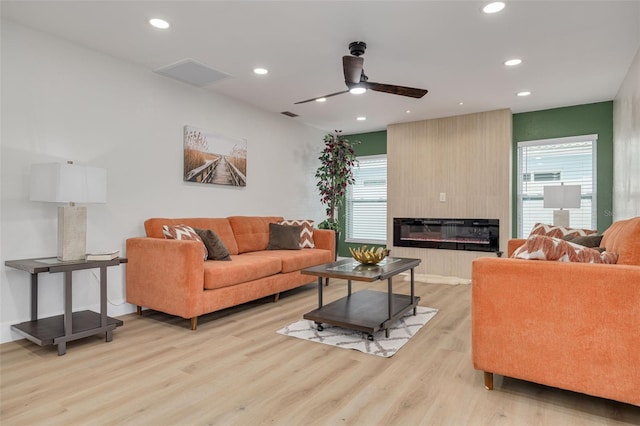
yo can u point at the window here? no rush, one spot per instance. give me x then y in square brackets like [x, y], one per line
[366, 202]
[551, 162]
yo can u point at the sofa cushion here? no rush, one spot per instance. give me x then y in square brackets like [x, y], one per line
[221, 226]
[241, 269]
[284, 237]
[559, 231]
[252, 232]
[306, 233]
[184, 232]
[294, 260]
[541, 247]
[214, 245]
[623, 238]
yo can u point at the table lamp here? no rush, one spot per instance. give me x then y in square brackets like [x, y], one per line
[69, 183]
[561, 197]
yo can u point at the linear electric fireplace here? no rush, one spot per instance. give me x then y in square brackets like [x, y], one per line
[450, 234]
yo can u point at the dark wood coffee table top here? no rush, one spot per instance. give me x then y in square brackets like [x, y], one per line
[350, 269]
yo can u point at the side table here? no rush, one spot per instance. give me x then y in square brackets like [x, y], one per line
[60, 329]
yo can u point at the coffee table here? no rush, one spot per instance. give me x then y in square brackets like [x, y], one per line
[365, 310]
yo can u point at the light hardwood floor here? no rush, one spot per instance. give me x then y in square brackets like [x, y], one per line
[235, 369]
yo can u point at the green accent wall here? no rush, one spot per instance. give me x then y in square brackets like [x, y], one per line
[373, 143]
[577, 120]
[596, 118]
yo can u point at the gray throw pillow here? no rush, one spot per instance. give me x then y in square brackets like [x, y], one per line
[217, 249]
[284, 237]
[585, 240]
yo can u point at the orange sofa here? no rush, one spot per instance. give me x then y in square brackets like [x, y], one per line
[170, 275]
[574, 326]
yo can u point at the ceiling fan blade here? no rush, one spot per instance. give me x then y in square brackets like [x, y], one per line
[319, 97]
[396, 90]
[352, 66]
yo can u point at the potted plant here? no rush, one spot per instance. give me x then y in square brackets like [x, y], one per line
[334, 175]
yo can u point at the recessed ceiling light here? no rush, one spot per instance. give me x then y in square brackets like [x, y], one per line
[358, 90]
[525, 93]
[513, 62]
[159, 23]
[321, 100]
[408, 111]
[494, 7]
[361, 118]
[261, 71]
[460, 103]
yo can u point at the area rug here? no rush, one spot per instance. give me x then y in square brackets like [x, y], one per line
[399, 334]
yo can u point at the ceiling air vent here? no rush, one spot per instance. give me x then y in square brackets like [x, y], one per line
[289, 114]
[192, 72]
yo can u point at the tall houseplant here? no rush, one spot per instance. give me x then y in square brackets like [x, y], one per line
[334, 175]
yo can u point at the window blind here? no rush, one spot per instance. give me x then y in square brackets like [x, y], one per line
[366, 202]
[552, 162]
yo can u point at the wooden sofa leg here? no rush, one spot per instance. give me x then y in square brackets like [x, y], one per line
[139, 309]
[194, 323]
[326, 282]
[488, 380]
[276, 297]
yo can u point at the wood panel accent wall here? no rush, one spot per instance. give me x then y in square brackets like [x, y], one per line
[468, 158]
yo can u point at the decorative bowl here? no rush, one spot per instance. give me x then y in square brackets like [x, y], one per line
[369, 256]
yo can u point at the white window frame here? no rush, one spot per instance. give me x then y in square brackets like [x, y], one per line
[555, 141]
[348, 206]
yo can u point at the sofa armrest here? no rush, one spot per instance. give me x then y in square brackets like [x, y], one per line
[513, 244]
[325, 239]
[166, 275]
[569, 325]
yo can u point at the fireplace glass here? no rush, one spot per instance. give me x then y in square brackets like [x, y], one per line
[449, 234]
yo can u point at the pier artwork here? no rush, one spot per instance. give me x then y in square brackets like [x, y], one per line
[213, 159]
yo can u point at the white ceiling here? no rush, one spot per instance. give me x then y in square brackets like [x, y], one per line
[573, 52]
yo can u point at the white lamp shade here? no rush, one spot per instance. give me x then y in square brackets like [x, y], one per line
[68, 183]
[562, 197]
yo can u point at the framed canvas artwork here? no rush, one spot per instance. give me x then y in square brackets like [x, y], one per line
[214, 159]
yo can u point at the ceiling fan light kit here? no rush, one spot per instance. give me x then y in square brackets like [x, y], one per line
[494, 7]
[159, 23]
[357, 81]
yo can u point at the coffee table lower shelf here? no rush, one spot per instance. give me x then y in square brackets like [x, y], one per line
[365, 310]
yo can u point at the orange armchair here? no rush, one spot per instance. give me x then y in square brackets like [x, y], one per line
[574, 326]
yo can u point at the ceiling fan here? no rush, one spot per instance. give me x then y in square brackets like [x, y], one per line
[355, 78]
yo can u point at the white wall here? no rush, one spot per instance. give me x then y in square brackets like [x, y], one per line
[64, 102]
[626, 145]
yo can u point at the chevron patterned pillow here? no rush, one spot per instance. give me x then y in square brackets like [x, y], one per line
[306, 234]
[183, 232]
[542, 247]
[559, 231]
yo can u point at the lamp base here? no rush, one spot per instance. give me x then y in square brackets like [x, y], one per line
[72, 233]
[561, 218]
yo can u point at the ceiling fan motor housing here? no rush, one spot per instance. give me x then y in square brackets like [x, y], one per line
[357, 48]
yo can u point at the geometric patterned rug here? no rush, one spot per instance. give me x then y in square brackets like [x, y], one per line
[399, 334]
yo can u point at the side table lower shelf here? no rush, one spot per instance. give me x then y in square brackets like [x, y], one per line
[48, 331]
